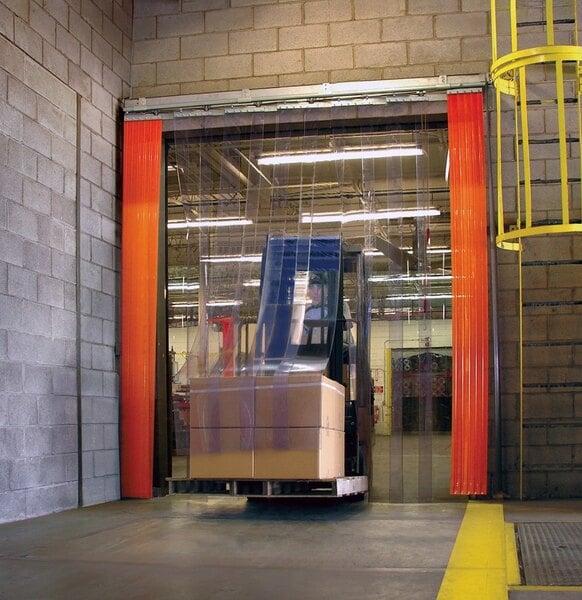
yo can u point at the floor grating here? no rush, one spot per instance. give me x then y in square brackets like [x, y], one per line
[550, 553]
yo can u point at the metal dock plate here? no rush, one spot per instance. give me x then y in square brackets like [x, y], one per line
[551, 553]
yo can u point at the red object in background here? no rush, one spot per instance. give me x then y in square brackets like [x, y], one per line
[227, 329]
[470, 294]
[142, 147]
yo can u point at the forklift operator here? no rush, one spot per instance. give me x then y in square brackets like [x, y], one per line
[312, 334]
[315, 326]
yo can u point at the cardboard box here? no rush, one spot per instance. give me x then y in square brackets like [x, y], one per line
[299, 400]
[298, 453]
[222, 402]
[221, 453]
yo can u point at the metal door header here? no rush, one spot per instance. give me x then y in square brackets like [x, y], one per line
[354, 93]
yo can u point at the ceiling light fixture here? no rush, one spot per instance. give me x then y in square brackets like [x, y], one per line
[355, 216]
[419, 297]
[184, 305]
[199, 223]
[224, 303]
[432, 250]
[406, 278]
[183, 287]
[319, 157]
[233, 258]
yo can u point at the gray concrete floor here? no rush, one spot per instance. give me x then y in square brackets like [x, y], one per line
[221, 548]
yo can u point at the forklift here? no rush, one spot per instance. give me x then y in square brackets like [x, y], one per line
[296, 333]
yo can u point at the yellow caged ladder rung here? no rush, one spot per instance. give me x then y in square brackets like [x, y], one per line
[537, 63]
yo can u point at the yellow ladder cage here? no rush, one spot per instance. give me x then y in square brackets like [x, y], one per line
[537, 62]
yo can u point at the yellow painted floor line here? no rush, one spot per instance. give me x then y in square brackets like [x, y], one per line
[511, 560]
[477, 566]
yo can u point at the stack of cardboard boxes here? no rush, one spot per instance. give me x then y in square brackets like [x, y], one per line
[280, 427]
[222, 421]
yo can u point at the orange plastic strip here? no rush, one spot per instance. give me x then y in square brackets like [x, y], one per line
[470, 294]
[139, 268]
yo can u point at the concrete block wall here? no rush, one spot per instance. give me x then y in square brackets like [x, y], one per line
[550, 455]
[549, 417]
[198, 46]
[64, 67]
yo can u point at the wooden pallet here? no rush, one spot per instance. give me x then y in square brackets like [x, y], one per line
[282, 488]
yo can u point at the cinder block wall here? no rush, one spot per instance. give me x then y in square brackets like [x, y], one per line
[197, 46]
[542, 434]
[64, 66]
[542, 426]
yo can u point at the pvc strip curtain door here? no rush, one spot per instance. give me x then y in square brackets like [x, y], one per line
[470, 294]
[223, 204]
[139, 267]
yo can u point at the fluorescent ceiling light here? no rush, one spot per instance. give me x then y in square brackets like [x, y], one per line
[351, 217]
[224, 303]
[406, 278]
[433, 250]
[252, 283]
[184, 305]
[233, 258]
[420, 297]
[319, 157]
[198, 223]
[184, 287]
[409, 250]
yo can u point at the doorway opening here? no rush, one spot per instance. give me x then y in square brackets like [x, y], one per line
[379, 182]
